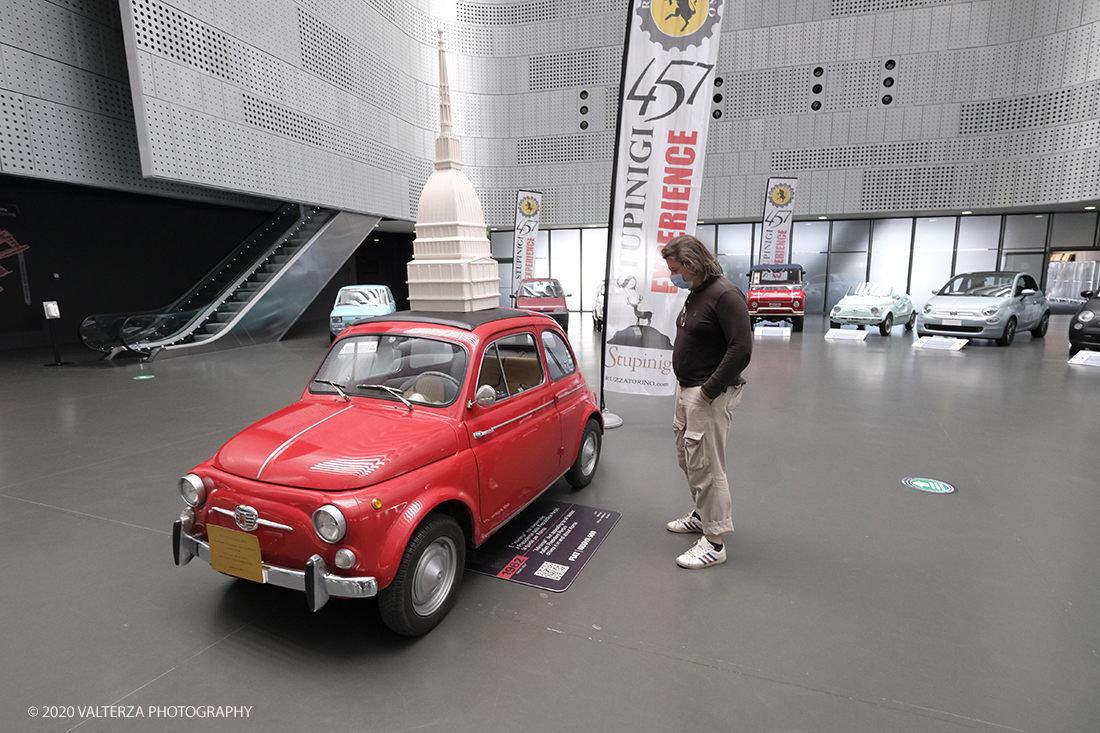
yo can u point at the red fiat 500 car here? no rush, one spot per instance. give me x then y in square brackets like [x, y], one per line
[776, 294]
[420, 435]
[543, 295]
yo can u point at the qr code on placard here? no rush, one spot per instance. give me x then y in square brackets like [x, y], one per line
[552, 570]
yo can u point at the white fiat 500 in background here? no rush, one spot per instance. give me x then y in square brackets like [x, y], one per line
[986, 305]
[873, 304]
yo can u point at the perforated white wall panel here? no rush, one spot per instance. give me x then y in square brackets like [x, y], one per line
[65, 104]
[987, 103]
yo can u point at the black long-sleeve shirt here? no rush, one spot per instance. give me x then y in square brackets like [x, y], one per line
[713, 338]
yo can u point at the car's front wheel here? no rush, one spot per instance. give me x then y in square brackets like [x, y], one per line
[1010, 333]
[886, 325]
[798, 322]
[834, 324]
[588, 457]
[1041, 329]
[428, 577]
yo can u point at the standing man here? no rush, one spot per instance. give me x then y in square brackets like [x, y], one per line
[713, 346]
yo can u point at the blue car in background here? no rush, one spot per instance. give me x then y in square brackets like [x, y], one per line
[355, 303]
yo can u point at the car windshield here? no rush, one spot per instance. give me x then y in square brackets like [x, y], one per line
[424, 370]
[980, 284]
[363, 296]
[874, 289]
[541, 289]
[782, 276]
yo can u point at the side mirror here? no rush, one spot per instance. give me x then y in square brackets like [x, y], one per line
[935, 292]
[1088, 294]
[1027, 291]
[485, 395]
[512, 296]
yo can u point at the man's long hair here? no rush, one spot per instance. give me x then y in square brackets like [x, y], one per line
[693, 255]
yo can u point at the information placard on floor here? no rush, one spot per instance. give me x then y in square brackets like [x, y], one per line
[772, 331]
[940, 342]
[546, 546]
[1086, 358]
[839, 334]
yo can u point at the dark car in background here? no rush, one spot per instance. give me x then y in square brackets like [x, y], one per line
[1084, 328]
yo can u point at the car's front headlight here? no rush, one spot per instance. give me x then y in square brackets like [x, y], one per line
[990, 310]
[1085, 316]
[874, 311]
[927, 308]
[836, 309]
[328, 522]
[193, 490]
[337, 319]
[796, 304]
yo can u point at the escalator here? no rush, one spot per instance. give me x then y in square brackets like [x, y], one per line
[253, 296]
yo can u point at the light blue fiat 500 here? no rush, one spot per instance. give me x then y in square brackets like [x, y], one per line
[355, 303]
[986, 305]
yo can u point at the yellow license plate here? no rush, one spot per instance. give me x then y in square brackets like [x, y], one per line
[235, 553]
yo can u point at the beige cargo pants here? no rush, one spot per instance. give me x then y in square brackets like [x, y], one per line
[701, 430]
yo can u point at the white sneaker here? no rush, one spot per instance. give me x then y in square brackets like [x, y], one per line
[702, 554]
[685, 525]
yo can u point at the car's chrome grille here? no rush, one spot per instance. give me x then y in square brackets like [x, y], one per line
[955, 314]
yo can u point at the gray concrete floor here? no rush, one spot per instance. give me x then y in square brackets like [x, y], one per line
[849, 602]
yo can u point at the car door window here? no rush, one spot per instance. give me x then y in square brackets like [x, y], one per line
[559, 359]
[511, 365]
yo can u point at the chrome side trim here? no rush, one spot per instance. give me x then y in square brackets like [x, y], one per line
[566, 394]
[188, 546]
[483, 433]
[284, 446]
[264, 522]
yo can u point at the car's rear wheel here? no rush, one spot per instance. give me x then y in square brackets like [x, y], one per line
[1041, 330]
[911, 322]
[1010, 333]
[798, 322]
[427, 580]
[886, 325]
[588, 457]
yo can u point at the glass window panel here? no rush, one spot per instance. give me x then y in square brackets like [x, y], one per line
[845, 270]
[593, 264]
[705, 233]
[933, 245]
[1030, 263]
[809, 236]
[1026, 231]
[890, 252]
[814, 265]
[504, 269]
[1074, 231]
[736, 269]
[734, 239]
[501, 245]
[850, 236]
[978, 237]
[565, 245]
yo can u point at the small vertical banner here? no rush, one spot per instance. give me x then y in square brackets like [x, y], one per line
[778, 208]
[528, 208]
[664, 116]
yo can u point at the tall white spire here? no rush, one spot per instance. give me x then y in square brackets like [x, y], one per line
[447, 151]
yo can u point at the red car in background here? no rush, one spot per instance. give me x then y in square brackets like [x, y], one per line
[419, 436]
[776, 293]
[543, 295]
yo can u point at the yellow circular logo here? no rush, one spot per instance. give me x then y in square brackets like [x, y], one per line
[529, 206]
[781, 195]
[679, 17]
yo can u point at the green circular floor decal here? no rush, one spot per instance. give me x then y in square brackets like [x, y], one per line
[930, 485]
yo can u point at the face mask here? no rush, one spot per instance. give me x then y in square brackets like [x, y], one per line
[681, 283]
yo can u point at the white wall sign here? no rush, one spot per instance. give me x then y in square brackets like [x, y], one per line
[528, 210]
[775, 236]
[664, 116]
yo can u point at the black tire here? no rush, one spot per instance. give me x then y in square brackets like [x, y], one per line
[1073, 349]
[583, 469]
[860, 327]
[911, 322]
[1010, 333]
[752, 323]
[331, 337]
[1041, 330]
[886, 325]
[427, 580]
[922, 334]
[834, 324]
[797, 323]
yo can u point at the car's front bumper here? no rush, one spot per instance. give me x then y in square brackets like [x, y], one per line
[318, 584]
[962, 327]
[1086, 337]
[845, 319]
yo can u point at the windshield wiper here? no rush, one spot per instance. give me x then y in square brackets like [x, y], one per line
[339, 388]
[393, 391]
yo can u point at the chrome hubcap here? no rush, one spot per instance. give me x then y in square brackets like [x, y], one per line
[588, 454]
[434, 576]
